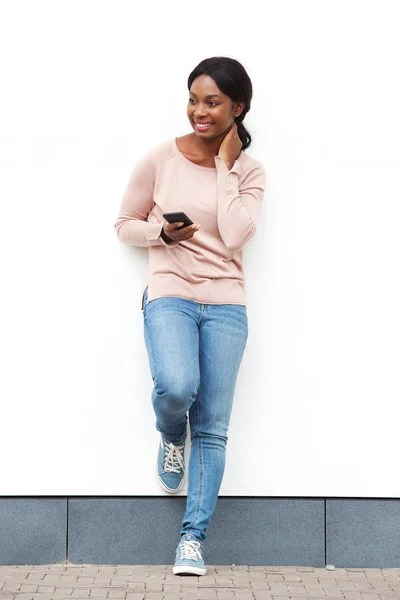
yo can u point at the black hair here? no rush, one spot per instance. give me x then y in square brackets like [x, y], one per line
[232, 79]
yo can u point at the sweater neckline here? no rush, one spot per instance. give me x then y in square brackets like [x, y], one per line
[189, 161]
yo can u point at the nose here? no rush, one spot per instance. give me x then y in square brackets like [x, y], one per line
[200, 111]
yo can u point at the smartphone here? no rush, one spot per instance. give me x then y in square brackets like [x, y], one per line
[178, 217]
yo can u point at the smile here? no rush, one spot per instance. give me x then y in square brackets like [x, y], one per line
[203, 126]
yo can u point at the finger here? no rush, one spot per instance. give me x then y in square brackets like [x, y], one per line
[189, 235]
[186, 236]
[189, 231]
[189, 228]
[172, 226]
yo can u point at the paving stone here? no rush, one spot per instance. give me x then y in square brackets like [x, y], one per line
[353, 596]
[136, 586]
[63, 592]
[81, 593]
[11, 587]
[29, 587]
[333, 592]
[226, 594]
[207, 593]
[262, 595]
[45, 589]
[260, 585]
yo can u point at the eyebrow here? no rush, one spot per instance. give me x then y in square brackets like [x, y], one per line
[209, 95]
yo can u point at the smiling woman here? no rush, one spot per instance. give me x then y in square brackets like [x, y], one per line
[212, 115]
[195, 318]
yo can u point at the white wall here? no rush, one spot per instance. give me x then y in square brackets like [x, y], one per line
[87, 88]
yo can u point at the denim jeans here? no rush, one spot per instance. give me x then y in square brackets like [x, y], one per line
[195, 351]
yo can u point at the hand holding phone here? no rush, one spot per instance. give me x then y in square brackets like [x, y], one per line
[179, 227]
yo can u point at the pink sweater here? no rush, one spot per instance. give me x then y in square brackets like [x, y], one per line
[207, 268]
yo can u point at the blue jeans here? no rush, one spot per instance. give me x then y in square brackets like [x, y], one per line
[195, 351]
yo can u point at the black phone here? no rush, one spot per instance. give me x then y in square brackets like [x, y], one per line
[178, 217]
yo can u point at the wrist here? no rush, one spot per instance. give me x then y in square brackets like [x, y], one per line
[165, 237]
[229, 163]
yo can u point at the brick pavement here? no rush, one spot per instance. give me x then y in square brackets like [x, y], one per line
[154, 582]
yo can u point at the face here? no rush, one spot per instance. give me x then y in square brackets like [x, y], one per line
[210, 112]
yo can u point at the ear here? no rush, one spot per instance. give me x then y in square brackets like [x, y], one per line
[238, 108]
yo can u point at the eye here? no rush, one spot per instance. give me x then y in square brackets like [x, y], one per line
[210, 102]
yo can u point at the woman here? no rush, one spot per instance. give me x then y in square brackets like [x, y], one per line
[194, 307]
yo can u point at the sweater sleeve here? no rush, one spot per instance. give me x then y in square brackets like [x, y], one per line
[132, 226]
[239, 206]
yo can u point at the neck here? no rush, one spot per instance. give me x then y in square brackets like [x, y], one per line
[208, 147]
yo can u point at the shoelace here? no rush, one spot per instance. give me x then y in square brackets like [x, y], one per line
[173, 459]
[190, 550]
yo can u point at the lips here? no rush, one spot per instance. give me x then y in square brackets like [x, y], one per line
[203, 126]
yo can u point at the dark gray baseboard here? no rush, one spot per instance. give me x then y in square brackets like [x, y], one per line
[363, 533]
[312, 532]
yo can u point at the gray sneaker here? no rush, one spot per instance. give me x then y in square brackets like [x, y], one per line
[171, 465]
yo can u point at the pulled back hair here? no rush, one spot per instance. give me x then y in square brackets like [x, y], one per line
[233, 80]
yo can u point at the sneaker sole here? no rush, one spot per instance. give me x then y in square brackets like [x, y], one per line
[185, 570]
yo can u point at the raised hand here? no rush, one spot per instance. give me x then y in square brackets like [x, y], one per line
[231, 146]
